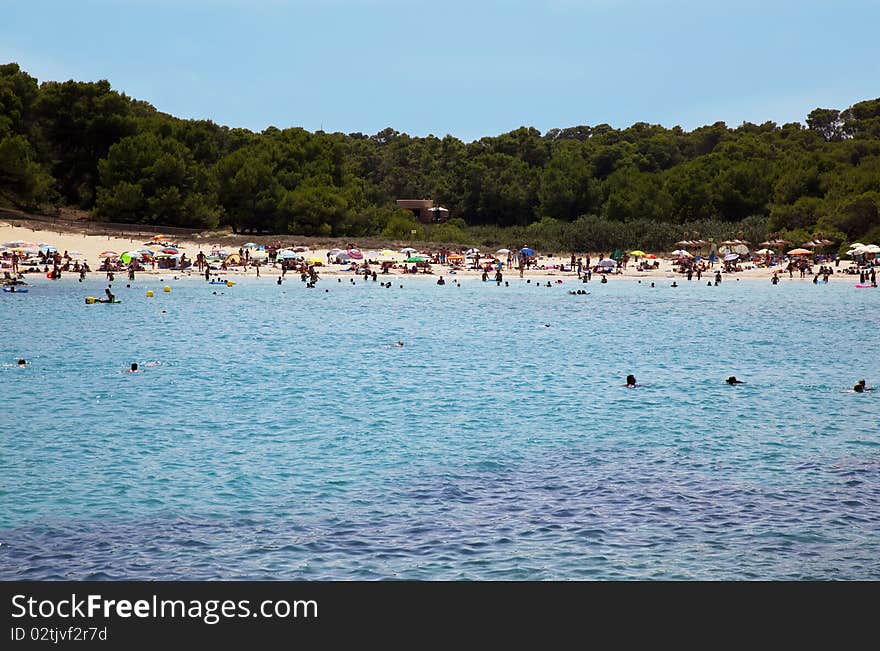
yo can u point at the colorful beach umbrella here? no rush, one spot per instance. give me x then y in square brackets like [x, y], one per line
[170, 249]
[105, 254]
[638, 253]
[730, 257]
[526, 250]
[355, 254]
[799, 252]
[415, 258]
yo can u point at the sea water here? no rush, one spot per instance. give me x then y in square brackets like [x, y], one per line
[274, 433]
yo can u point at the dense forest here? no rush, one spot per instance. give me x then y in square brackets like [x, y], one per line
[83, 144]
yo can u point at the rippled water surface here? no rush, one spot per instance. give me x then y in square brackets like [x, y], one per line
[276, 435]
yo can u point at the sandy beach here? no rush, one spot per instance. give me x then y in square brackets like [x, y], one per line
[90, 246]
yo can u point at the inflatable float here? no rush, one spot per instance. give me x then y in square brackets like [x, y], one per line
[91, 300]
[864, 286]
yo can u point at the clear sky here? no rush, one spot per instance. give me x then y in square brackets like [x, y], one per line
[468, 68]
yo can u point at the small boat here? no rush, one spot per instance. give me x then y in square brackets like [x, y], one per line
[15, 290]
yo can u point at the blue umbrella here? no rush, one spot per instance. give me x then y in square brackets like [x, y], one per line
[288, 255]
[527, 251]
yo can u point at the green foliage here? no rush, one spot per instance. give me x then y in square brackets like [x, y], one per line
[582, 187]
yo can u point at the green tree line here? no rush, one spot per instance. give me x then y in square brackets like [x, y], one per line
[86, 145]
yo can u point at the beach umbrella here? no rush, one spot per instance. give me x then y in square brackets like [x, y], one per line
[303, 249]
[872, 248]
[128, 256]
[259, 254]
[407, 249]
[730, 257]
[250, 245]
[415, 258]
[17, 244]
[637, 253]
[472, 252]
[355, 254]
[48, 249]
[316, 261]
[684, 243]
[386, 252]
[503, 251]
[858, 245]
[764, 251]
[169, 249]
[288, 255]
[608, 262]
[527, 251]
[799, 252]
[681, 253]
[156, 238]
[104, 254]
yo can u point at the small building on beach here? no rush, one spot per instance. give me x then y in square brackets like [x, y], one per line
[425, 210]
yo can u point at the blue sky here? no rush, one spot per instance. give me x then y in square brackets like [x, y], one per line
[470, 69]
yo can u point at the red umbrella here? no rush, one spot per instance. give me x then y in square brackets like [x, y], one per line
[355, 254]
[170, 250]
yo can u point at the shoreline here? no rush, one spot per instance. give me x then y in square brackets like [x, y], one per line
[90, 246]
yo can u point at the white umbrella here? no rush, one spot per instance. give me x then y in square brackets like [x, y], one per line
[681, 253]
[472, 252]
[503, 251]
[765, 251]
[872, 248]
[608, 262]
[730, 257]
[407, 249]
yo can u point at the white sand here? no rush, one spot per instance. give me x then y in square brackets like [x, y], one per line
[92, 245]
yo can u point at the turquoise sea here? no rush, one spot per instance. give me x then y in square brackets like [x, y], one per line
[273, 433]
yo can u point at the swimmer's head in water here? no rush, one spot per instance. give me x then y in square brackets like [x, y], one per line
[22, 362]
[134, 367]
[630, 380]
[732, 380]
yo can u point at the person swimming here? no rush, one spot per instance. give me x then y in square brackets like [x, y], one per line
[133, 368]
[732, 380]
[631, 382]
[440, 281]
[399, 344]
[22, 363]
[860, 387]
[674, 284]
[110, 296]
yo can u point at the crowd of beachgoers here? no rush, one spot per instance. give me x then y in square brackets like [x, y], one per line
[57, 258]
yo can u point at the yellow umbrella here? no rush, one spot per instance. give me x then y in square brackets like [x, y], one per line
[316, 260]
[638, 254]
